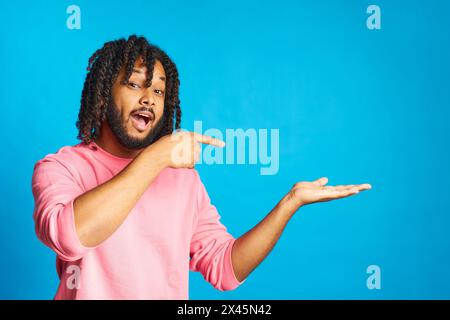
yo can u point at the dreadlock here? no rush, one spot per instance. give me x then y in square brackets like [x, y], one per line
[103, 68]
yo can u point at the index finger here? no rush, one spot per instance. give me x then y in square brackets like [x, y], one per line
[208, 140]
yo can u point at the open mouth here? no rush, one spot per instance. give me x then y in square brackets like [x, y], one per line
[141, 120]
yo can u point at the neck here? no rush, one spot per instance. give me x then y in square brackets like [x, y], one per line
[108, 142]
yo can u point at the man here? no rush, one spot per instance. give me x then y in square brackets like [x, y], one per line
[124, 210]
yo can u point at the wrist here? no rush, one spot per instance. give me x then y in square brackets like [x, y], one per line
[289, 205]
[154, 157]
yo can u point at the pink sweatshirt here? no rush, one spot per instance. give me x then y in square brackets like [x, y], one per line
[172, 228]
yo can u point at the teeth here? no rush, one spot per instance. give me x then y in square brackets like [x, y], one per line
[144, 115]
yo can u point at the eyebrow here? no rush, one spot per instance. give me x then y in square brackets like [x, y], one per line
[140, 72]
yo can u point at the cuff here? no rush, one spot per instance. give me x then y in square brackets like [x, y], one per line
[70, 246]
[230, 281]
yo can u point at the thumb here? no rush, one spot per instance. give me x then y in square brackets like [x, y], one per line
[321, 181]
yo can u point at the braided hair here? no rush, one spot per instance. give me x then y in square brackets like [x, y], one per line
[103, 68]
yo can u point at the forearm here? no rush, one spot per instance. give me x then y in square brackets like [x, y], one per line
[100, 211]
[251, 249]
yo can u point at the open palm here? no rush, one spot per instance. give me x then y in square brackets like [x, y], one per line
[307, 192]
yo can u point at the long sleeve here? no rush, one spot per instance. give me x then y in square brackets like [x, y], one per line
[211, 245]
[54, 190]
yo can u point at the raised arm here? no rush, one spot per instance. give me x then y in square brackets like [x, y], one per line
[100, 211]
[251, 249]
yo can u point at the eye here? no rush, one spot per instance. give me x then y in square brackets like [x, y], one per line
[133, 85]
[159, 92]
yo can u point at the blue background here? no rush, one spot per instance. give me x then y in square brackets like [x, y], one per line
[353, 104]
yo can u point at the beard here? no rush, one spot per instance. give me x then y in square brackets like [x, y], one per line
[118, 127]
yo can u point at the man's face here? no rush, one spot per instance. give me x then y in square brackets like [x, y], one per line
[135, 114]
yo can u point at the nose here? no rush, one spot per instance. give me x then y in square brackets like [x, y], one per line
[146, 100]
